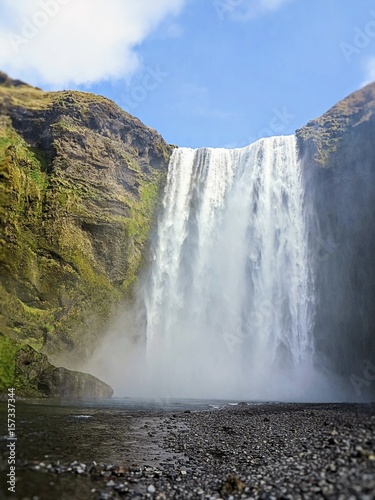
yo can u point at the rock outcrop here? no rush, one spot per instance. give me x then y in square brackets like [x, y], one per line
[338, 151]
[79, 183]
[31, 374]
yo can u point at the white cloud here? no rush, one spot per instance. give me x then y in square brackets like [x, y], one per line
[369, 66]
[62, 42]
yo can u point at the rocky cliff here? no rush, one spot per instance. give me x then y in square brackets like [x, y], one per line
[79, 184]
[338, 153]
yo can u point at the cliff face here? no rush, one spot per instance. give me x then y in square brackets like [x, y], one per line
[338, 151]
[79, 182]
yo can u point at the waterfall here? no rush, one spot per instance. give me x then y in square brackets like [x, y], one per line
[229, 297]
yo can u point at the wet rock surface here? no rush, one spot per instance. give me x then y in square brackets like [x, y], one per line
[337, 151]
[245, 451]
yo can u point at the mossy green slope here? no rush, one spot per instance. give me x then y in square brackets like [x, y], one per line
[326, 141]
[80, 180]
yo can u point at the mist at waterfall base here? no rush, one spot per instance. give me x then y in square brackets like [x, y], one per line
[226, 308]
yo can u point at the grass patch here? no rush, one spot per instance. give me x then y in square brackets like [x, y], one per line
[8, 351]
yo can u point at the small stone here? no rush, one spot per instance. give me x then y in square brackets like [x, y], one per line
[232, 485]
[151, 489]
[119, 471]
[111, 484]
[332, 441]
[90, 468]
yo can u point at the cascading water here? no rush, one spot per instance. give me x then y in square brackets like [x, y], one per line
[229, 299]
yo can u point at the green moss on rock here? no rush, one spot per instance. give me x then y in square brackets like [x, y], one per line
[30, 373]
[79, 183]
[8, 351]
[323, 141]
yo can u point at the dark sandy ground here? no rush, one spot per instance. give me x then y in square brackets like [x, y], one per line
[268, 451]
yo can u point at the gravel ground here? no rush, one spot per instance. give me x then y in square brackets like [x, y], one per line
[271, 451]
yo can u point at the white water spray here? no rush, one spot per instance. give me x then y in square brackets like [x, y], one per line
[229, 299]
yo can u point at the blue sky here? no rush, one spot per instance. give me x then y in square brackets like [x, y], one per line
[216, 73]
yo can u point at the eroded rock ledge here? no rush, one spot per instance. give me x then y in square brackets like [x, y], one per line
[32, 374]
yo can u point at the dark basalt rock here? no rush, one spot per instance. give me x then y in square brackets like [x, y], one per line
[338, 155]
[39, 376]
[31, 374]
